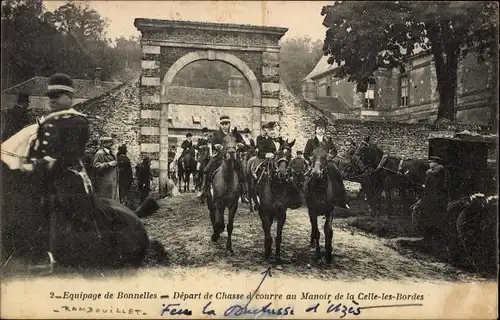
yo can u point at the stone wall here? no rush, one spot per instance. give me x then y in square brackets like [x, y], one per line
[119, 113]
[398, 139]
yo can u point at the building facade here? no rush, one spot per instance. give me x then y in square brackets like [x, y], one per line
[410, 97]
[36, 88]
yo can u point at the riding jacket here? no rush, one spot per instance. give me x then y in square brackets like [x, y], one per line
[186, 144]
[62, 136]
[217, 138]
[313, 144]
[266, 145]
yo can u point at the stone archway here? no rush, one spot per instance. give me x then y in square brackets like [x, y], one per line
[214, 55]
[169, 45]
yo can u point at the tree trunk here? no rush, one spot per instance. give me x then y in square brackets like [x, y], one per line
[446, 73]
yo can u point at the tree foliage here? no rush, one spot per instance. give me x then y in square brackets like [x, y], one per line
[364, 36]
[72, 39]
[298, 56]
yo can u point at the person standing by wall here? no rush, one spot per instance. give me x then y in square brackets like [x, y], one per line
[106, 171]
[144, 177]
[88, 157]
[124, 174]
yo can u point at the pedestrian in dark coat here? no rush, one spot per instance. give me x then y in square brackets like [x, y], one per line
[144, 177]
[124, 174]
[434, 197]
[88, 157]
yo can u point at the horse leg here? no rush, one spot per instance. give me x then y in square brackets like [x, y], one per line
[315, 233]
[312, 243]
[230, 222]
[268, 240]
[279, 234]
[328, 229]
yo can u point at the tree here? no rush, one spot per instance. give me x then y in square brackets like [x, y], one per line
[298, 56]
[30, 45]
[363, 36]
[80, 21]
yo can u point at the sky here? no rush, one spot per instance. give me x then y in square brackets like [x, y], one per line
[302, 18]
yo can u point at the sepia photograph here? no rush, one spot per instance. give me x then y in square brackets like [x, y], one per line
[248, 159]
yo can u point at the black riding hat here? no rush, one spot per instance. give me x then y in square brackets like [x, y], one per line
[60, 82]
[435, 159]
[204, 130]
[188, 135]
[246, 130]
[321, 122]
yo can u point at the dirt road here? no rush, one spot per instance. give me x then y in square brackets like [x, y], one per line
[183, 226]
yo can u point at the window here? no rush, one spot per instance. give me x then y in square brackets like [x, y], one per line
[196, 119]
[369, 101]
[404, 86]
[328, 91]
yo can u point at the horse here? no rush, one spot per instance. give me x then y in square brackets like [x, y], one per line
[81, 230]
[202, 161]
[187, 168]
[225, 190]
[323, 188]
[384, 173]
[277, 189]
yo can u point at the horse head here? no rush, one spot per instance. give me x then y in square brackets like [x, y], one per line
[230, 143]
[366, 154]
[284, 156]
[319, 160]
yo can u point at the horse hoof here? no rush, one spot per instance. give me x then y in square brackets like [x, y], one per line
[312, 249]
[215, 237]
[279, 267]
[230, 252]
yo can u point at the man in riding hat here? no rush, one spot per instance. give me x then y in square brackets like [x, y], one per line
[216, 160]
[320, 130]
[186, 145]
[268, 143]
[56, 143]
[249, 142]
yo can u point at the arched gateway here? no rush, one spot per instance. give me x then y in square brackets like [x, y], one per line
[169, 45]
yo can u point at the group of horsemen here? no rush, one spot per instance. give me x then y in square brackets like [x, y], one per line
[264, 147]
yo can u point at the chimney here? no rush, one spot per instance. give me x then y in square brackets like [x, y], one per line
[97, 78]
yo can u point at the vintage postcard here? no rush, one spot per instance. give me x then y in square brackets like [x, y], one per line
[249, 159]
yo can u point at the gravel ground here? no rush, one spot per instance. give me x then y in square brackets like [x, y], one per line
[183, 226]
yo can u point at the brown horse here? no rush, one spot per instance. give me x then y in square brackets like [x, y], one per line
[225, 190]
[80, 230]
[187, 168]
[276, 190]
[384, 173]
[323, 190]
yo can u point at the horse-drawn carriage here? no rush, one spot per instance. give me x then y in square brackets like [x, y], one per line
[469, 219]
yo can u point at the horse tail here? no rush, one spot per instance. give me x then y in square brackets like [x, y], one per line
[147, 208]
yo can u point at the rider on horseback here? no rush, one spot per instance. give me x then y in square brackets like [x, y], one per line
[320, 130]
[186, 145]
[58, 143]
[216, 160]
